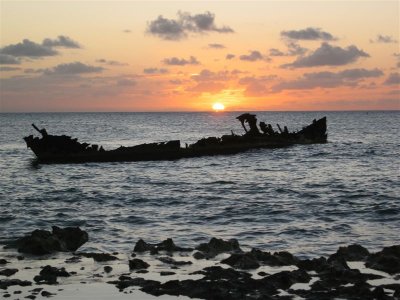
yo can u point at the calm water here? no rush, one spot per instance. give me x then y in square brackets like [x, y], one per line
[305, 199]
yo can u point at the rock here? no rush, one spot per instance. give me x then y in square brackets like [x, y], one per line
[166, 245]
[73, 259]
[285, 279]
[277, 259]
[7, 295]
[199, 255]
[41, 242]
[242, 261]
[315, 264]
[46, 294]
[387, 260]
[49, 274]
[5, 283]
[8, 272]
[136, 264]
[142, 271]
[262, 273]
[3, 261]
[166, 273]
[32, 297]
[99, 257]
[216, 246]
[107, 269]
[171, 261]
[353, 252]
[20, 257]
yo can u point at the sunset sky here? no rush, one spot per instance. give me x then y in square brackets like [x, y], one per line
[187, 55]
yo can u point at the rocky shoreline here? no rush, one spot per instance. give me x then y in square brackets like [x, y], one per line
[218, 269]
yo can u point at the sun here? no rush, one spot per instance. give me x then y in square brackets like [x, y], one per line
[218, 106]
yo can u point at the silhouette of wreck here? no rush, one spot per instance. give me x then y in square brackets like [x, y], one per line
[64, 149]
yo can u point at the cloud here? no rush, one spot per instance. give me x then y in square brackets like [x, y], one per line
[175, 61]
[155, 71]
[349, 77]
[177, 29]
[207, 75]
[111, 62]
[310, 34]
[126, 82]
[28, 49]
[126, 31]
[207, 87]
[8, 69]
[61, 41]
[253, 56]
[216, 46]
[385, 39]
[256, 86]
[327, 55]
[230, 56]
[293, 49]
[6, 59]
[74, 68]
[393, 79]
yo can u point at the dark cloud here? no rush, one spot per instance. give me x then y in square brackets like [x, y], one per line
[61, 41]
[28, 49]
[177, 29]
[230, 56]
[385, 39]
[252, 56]
[328, 55]
[176, 81]
[393, 79]
[293, 49]
[216, 46]
[74, 68]
[155, 71]
[256, 86]
[8, 59]
[207, 75]
[127, 31]
[175, 61]
[348, 77]
[9, 69]
[310, 34]
[126, 82]
[111, 62]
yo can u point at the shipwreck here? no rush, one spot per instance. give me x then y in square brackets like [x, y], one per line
[65, 149]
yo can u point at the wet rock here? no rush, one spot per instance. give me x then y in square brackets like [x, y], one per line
[167, 273]
[262, 273]
[136, 264]
[3, 261]
[353, 252]
[166, 245]
[99, 257]
[20, 257]
[46, 294]
[5, 283]
[40, 242]
[171, 261]
[285, 279]
[8, 272]
[242, 261]
[199, 255]
[216, 246]
[17, 292]
[277, 259]
[142, 272]
[387, 260]
[31, 297]
[315, 264]
[49, 274]
[107, 269]
[73, 259]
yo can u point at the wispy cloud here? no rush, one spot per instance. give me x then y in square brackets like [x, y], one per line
[175, 61]
[310, 34]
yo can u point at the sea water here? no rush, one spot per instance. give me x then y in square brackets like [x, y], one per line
[306, 199]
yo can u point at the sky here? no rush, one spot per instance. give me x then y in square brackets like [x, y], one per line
[58, 56]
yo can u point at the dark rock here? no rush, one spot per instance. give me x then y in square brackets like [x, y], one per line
[8, 272]
[133, 254]
[387, 260]
[171, 261]
[277, 259]
[167, 273]
[315, 264]
[166, 245]
[36, 290]
[3, 261]
[41, 242]
[49, 279]
[353, 252]
[17, 292]
[20, 257]
[107, 269]
[99, 257]
[7, 295]
[262, 273]
[73, 259]
[142, 272]
[216, 246]
[285, 279]
[199, 255]
[242, 261]
[31, 297]
[49, 270]
[136, 264]
[5, 283]
[46, 294]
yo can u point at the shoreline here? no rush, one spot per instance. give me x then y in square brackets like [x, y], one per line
[215, 270]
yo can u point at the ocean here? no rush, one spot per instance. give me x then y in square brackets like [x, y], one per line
[306, 199]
